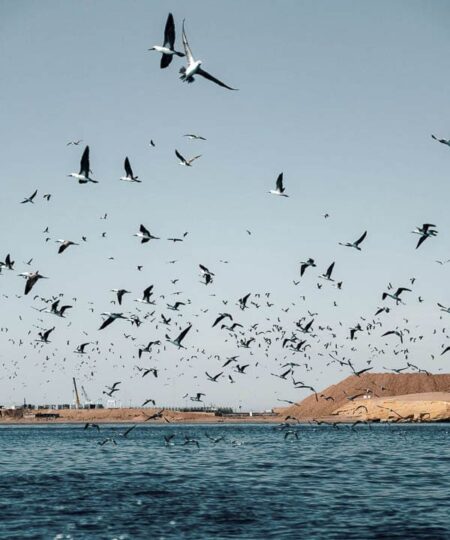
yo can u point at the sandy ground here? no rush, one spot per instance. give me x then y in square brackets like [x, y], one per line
[351, 391]
[425, 407]
[126, 415]
[371, 397]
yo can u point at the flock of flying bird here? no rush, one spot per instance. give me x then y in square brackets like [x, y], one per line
[280, 350]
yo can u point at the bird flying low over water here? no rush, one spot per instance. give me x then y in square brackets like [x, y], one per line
[279, 189]
[168, 47]
[425, 232]
[193, 67]
[83, 176]
[129, 173]
[184, 161]
[356, 243]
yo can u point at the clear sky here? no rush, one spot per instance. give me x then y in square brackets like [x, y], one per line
[340, 96]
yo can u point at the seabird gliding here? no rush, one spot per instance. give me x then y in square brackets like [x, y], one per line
[279, 190]
[129, 176]
[167, 49]
[83, 176]
[193, 67]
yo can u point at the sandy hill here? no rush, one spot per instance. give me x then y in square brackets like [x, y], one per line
[375, 384]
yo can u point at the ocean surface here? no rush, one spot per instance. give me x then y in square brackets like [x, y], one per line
[57, 482]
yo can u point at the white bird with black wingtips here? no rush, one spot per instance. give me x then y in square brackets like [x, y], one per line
[145, 235]
[279, 189]
[193, 67]
[184, 161]
[167, 49]
[129, 176]
[83, 176]
[356, 243]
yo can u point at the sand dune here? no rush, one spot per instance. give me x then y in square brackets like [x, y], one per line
[368, 387]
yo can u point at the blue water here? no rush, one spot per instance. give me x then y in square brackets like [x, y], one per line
[386, 482]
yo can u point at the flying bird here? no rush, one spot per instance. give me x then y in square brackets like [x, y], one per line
[129, 177]
[110, 318]
[193, 67]
[145, 235]
[279, 189]
[32, 278]
[395, 333]
[168, 48]
[305, 265]
[396, 295]
[179, 339]
[328, 273]
[443, 141]
[356, 243]
[184, 161]
[30, 199]
[65, 244]
[83, 176]
[425, 232]
[193, 137]
[120, 293]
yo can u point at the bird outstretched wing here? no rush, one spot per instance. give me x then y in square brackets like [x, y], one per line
[187, 49]
[84, 163]
[208, 76]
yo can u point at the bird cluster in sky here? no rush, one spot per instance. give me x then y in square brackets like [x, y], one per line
[279, 349]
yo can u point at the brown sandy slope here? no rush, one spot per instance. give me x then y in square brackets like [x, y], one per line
[425, 407]
[381, 385]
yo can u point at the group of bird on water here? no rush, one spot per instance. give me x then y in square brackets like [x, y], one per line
[294, 342]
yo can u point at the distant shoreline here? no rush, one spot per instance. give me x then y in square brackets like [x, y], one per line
[126, 416]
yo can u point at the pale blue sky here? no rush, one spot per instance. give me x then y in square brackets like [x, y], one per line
[341, 96]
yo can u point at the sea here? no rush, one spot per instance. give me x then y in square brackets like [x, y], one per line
[243, 481]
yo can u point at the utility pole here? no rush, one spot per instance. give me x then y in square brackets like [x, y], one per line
[77, 397]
